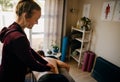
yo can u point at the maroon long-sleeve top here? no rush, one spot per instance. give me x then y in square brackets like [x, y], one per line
[17, 55]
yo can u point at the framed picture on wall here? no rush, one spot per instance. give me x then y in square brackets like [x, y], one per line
[107, 10]
[86, 10]
[116, 16]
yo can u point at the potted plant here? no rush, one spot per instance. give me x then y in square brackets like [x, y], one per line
[86, 22]
[55, 47]
[49, 52]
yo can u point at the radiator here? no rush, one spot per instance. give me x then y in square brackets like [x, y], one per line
[105, 71]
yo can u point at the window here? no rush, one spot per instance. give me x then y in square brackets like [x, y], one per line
[37, 33]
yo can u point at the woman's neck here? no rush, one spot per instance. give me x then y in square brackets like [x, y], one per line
[20, 22]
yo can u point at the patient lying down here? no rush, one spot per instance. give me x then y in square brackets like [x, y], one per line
[61, 71]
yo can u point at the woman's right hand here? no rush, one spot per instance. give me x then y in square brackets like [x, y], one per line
[52, 67]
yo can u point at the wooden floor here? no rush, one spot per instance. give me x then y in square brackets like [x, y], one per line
[77, 74]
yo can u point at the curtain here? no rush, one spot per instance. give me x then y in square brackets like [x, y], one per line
[53, 22]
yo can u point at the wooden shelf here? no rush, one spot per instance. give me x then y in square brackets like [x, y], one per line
[84, 40]
[75, 57]
[73, 28]
[80, 39]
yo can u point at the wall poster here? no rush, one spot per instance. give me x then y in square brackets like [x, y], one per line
[86, 10]
[116, 16]
[107, 10]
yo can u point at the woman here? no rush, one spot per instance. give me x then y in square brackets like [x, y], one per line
[17, 55]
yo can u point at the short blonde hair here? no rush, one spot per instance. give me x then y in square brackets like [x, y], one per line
[26, 6]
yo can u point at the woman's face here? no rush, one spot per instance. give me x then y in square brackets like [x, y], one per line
[33, 20]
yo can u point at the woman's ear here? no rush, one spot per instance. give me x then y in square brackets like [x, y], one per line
[25, 15]
[28, 15]
[24, 19]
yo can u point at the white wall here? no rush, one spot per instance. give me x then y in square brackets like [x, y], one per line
[106, 35]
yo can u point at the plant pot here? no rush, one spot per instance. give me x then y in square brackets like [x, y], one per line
[55, 50]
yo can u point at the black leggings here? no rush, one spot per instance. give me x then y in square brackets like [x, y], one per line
[53, 78]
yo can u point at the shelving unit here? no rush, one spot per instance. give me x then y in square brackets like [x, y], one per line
[82, 38]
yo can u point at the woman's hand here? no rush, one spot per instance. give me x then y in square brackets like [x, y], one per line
[52, 67]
